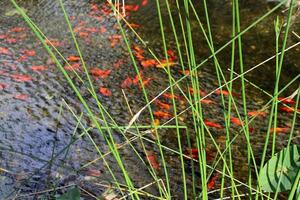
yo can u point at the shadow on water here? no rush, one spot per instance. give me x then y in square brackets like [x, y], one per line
[37, 127]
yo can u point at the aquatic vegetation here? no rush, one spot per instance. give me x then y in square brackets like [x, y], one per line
[281, 172]
[163, 116]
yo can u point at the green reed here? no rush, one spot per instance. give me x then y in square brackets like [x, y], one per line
[224, 161]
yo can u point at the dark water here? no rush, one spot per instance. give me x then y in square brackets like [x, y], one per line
[37, 127]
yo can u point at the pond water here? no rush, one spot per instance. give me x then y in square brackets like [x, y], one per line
[40, 147]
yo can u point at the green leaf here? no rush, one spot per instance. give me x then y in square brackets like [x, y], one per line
[281, 170]
[71, 194]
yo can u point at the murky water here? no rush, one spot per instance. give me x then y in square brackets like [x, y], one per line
[37, 126]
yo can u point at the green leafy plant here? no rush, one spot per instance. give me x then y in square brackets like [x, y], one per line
[281, 171]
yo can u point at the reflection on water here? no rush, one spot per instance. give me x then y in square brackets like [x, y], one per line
[37, 126]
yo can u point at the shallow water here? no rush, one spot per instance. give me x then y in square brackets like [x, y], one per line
[37, 126]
